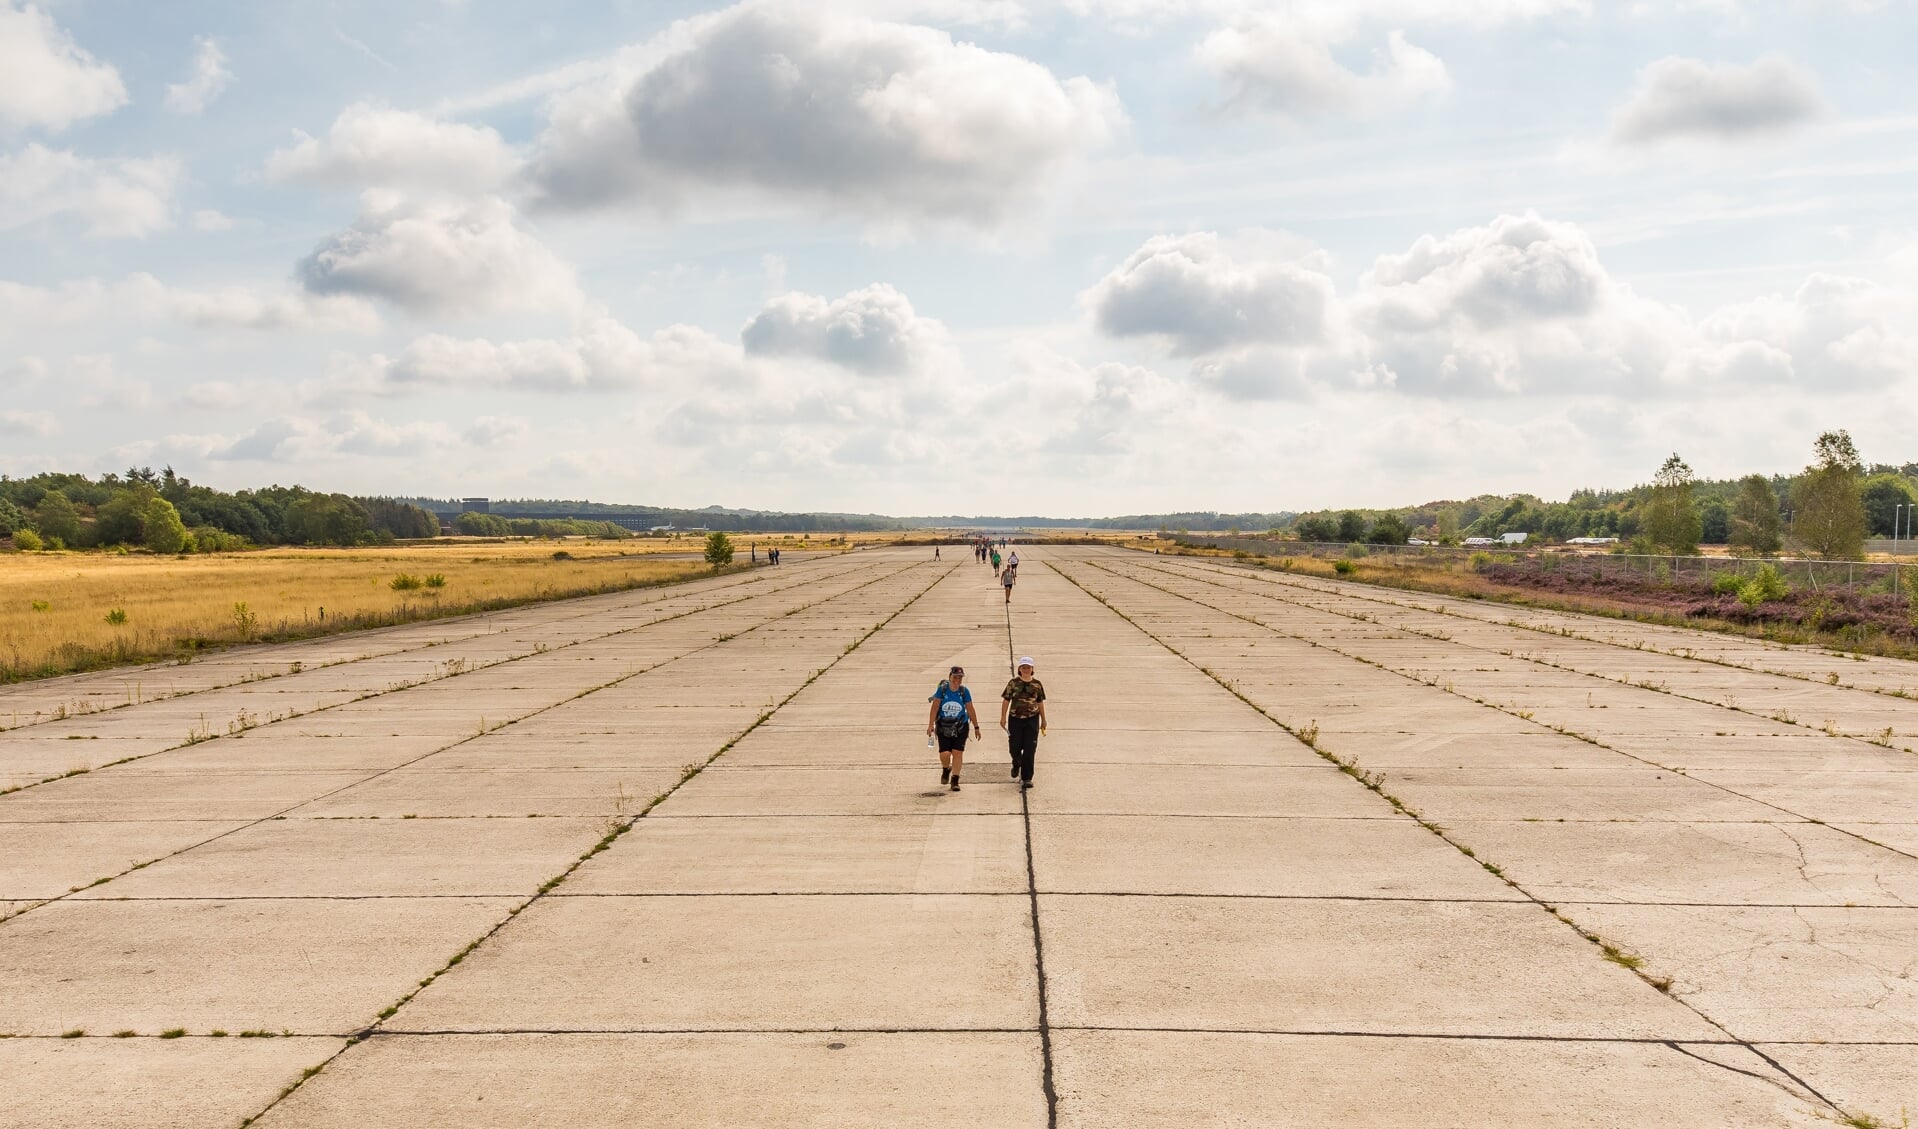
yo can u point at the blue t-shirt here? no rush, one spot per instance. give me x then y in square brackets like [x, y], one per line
[952, 703]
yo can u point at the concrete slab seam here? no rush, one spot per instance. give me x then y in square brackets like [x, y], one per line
[281, 814]
[1781, 718]
[612, 836]
[200, 737]
[1521, 715]
[1373, 783]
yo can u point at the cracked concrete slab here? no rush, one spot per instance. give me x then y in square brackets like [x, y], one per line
[366, 858]
[153, 1083]
[309, 966]
[927, 854]
[1307, 1081]
[1262, 964]
[824, 1080]
[1301, 857]
[906, 961]
[1723, 863]
[1778, 974]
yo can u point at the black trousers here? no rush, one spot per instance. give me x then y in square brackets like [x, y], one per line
[1022, 735]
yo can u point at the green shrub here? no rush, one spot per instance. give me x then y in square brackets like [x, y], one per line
[1344, 568]
[719, 549]
[207, 539]
[1764, 585]
[1727, 583]
[117, 617]
[27, 541]
[1479, 560]
[1356, 550]
[436, 580]
[406, 582]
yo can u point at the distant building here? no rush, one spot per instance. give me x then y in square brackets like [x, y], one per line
[1514, 538]
[1591, 541]
[476, 505]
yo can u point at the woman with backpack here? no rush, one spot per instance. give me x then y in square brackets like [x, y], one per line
[949, 719]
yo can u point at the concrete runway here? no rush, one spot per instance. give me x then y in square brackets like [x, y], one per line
[1300, 853]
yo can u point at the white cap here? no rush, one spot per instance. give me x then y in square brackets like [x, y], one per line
[1025, 660]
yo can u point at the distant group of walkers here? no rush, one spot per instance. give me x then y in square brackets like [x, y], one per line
[772, 555]
[1005, 568]
[1022, 714]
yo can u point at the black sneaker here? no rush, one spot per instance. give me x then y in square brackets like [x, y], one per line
[955, 783]
[1015, 770]
[945, 774]
[1025, 786]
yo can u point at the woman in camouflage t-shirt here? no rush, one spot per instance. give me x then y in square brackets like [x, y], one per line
[1022, 714]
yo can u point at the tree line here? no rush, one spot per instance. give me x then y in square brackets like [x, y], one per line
[167, 513]
[1829, 509]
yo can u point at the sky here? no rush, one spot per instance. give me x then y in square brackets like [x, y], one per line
[1088, 257]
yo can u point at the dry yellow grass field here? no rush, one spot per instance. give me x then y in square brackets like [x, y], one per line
[56, 608]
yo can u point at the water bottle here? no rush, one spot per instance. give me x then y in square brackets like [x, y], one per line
[930, 744]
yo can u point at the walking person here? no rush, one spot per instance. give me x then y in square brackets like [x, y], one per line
[1007, 579]
[1022, 714]
[947, 720]
[995, 562]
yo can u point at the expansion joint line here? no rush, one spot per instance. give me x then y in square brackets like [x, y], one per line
[465, 618]
[612, 835]
[1521, 656]
[1521, 715]
[284, 812]
[1038, 937]
[1375, 785]
[404, 686]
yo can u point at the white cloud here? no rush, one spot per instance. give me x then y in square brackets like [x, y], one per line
[112, 196]
[1272, 63]
[603, 355]
[207, 80]
[46, 79]
[1678, 99]
[142, 297]
[873, 330]
[241, 308]
[440, 257]
[375, 146]
[211, 219]
[497, 431]
[1192, 292]
[14, 421]
[890, 123]
[1520, 305]
[1833, 332]
[296, 441]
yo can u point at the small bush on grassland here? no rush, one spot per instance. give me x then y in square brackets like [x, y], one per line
[406, 582]
[1344, 568]
[27, 541]
[719, 549]
[1355, 550]
[207, 539]
[562, 555]
[1764, 585]
[117, 617]
[1726, 583]
[436, 580]
[1480, 559]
